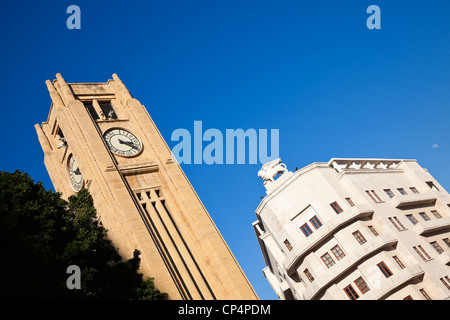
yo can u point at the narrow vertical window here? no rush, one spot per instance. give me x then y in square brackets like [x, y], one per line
[446, 241]
[423, 292]
[359, 237]
[362, 285]
[306, 230]
[308, 275]
[376, 196]
[413, 189]
[436, 247]
[90, 108]
[336, 207]
[446, 282]
[399, 223]
[399, 262]
[389, 193]
[315, 222]
[338, 253]
[384, 269]
[436, 214]
[371, 196]
[371, 228]
[412, 219]
[287, 244]
[328, 260]
[422, 253]
[432, 186]
[107, 110]
[350, 202]
[393, 223]
[424, 216]
[351, 293]
[408, 298]
[402, 191]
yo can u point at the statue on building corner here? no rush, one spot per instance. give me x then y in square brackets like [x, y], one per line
[271, 169]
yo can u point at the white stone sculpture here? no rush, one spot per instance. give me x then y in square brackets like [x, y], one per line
[271, 169]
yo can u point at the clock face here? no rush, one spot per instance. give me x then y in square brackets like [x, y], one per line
[122, 142]
[75, 175]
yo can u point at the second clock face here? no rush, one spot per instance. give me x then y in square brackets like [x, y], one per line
[122, 142]
[75, 175]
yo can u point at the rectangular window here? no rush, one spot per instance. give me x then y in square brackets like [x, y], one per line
[427, 297]
[59, 133]
[446, 241]
[419, 253]
[402, 191]
[413, 189]
[362, 285]
[397, 224]
[376, 196]
[359, 237]
[446, 282]
[408, 298]
[436, 214]
[315, 222]
[384, 269]
[436, 247]
[389, 193]
[402, 266]
[306, 230]
[412, 219]
[424, 216]
[287, 244]
[373, 195]
[351, 293]
[422, 253]
[90, 108]
[350, 202]
[308, 275]
[107, 109]
[371, 228]
[339, 254]
[432, 186]
[336, 207]
[328, 260]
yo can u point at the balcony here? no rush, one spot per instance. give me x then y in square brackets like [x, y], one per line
[273, 281]
[413, 200]
[331, 226]
[382, 287]
[425, 227]
[350, 261]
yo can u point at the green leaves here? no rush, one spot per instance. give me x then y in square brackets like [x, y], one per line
[45, 234]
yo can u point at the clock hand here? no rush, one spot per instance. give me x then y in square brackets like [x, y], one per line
[128, 143]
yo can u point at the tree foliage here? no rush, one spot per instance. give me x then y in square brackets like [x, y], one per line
[42, 234]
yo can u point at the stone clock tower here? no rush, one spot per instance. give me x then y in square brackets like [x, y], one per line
[98, 136]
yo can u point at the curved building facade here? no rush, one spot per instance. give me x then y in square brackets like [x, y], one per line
[366, 229]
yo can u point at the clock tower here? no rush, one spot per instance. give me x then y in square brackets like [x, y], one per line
[97, 136]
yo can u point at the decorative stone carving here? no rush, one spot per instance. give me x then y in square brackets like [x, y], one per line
[271, 169]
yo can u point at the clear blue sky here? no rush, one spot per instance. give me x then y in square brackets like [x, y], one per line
[311, 69]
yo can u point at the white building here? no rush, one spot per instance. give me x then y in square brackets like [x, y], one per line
[355, 229]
